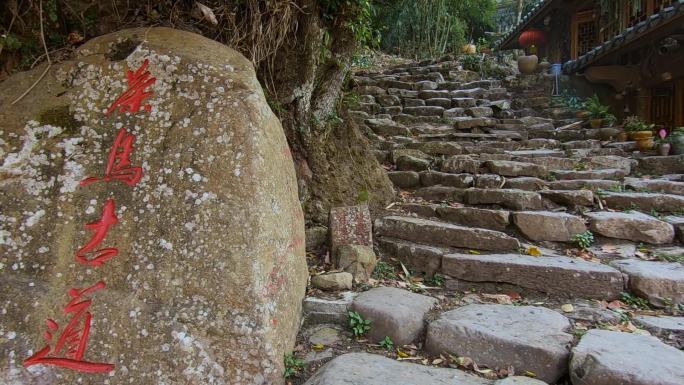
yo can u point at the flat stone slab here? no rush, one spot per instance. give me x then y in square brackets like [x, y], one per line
[510, 198]
[541, 153]
[559, 276]
[327, 311]
[658, 165]
[633, 226]
[607, 173]
[529, 338]
[570, 197]
[373, 369]
[644, 201]
[525, 183]
[590, 184]
[417, 257]
[387, 127]
[394, 312]
[548, 225]
[605, 357]
[660, 282]
[471, 216]
[670, 329]
[513, 169]
[655, 185]
[446, 234]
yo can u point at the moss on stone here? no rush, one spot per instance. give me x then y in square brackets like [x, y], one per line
[122, 50]
[60, 117]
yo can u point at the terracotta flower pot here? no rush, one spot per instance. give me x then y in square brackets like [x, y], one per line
[644, 140]
[596, 123]
[643, 135]
[527, 64]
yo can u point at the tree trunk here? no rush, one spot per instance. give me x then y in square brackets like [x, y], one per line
[520, 10]
[334, 162]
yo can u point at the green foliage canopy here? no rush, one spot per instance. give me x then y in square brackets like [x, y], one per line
[430, 28]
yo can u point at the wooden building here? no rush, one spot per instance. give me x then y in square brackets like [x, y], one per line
[635, 46]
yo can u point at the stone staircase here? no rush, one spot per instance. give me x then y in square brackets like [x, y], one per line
[495, 186]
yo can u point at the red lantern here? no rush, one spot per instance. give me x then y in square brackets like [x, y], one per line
[531, 37]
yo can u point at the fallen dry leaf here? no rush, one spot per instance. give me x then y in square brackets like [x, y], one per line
[437, 361]
[568, 308]
[534, 251]
[502, 299]
[203, 12]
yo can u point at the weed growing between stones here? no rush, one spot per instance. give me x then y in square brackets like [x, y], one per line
[293, 365]
[384, 270]
[387, 343]
[584, 240]
[633, 300]
[358, 325]
[436, 280]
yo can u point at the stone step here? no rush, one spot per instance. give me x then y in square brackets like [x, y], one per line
[443, 234]
[603, 174]
[528, 338]
[515, 169]
[548, 225]
[556, 276]
[542, 153]
[509, 198]
[668, 328]
[569, 197]
[655, 186]
[643, 201]
[633, 226]
[662, 283]
[594, 185]
[417, 257]
[395, 313]
[610, 357]
[374, 369]
[466, 216]
[659, 165]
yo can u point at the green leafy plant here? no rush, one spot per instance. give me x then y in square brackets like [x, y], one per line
[358, 325]
[293, 365]
[384, 270]
[597, 110]
[634, 123]
[436, 280]
[387, 343]
[584, 240]
[633, 300]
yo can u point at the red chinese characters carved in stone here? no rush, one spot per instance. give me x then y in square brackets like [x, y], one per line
[119, 162]
[101, 227]
[70, 347]
[132, 98]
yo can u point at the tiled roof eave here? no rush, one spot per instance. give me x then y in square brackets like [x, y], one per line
[625, 37]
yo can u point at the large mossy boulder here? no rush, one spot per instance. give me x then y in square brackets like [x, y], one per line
[208, 281]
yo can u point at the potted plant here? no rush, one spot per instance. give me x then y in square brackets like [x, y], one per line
[676, 140]
[664, 144]
[598, 113]
[637, 127]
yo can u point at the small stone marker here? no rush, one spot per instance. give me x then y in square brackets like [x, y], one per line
[350, 225]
